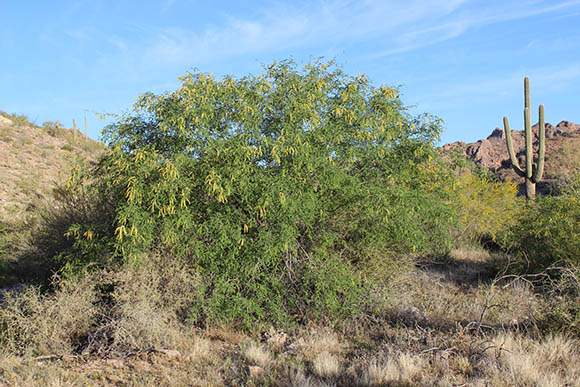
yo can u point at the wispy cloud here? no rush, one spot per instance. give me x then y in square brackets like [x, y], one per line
[283, 27]
[459, 22]
[387, 27]
[402, 25]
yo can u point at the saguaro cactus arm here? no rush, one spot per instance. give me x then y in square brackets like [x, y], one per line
[529, 148]
[539, 169]
[510, 146]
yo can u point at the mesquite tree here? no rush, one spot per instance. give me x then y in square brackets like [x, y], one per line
[285, 190]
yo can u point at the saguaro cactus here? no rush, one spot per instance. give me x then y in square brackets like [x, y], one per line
[534, 171]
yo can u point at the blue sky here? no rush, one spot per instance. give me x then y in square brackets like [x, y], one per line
[463, 61]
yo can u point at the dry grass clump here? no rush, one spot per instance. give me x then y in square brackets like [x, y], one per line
[200, 351]
[469, 254]
[552, 361]
[37, 324]
[225, 333]
[406, 368]
[150, 304]
[379, 373]
[132, 309]
[317, 341]
[257, 354]
[445, 295]
[498, 359]
[410, 367]
[326, 365]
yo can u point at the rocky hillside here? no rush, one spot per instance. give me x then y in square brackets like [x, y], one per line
[562, 153]
[34, 159]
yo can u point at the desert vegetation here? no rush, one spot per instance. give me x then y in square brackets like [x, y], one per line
[297, 227]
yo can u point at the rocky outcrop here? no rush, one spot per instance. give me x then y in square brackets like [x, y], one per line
[492, 154]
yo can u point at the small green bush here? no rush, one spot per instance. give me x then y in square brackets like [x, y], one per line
[67, 147]
[35, 247]
[54, 128]
[134, 308]
[17, 119]
[91, 147]
[5, 241]
[547, 231]
[24, 140]
[486, 208]
[281, 190]
[38, 324]
[6, 134]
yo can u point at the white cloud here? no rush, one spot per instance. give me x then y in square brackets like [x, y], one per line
[377, 29]
[402, 26]
[463, 19]
[283, 27]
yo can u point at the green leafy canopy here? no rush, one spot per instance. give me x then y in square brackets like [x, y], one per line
[282, 189]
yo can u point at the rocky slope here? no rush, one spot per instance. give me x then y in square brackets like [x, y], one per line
[34, 159]
[562, 152]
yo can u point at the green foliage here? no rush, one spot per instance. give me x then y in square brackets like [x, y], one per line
[42, 245]
[91, 147]
[5, 230]
[17, 119]
[77, 231]
[6, 134]
[486, 208]
[279, 189]
[548, 232]
[23, 141]
[54, 128]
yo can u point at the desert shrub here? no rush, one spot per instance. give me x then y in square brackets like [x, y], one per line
[17, 119]
[146, 306]
[547, 231]
[132, 308]
[6, 134]
[486, 207]
[54, 128]
[36, 323]
[558, 185]
[91, 147]
[561, 312]
[14, 236]
[5, 231]
[46, 243]
[279, 189]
